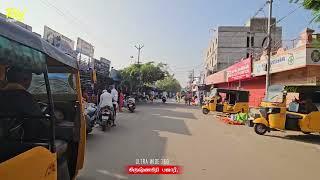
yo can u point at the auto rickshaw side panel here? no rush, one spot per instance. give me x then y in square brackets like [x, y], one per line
[314, 121]
[277, 119]
[241, 105]
[213, 104]
[36, 164]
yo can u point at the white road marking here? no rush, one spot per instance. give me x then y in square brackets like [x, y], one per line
[119, 176]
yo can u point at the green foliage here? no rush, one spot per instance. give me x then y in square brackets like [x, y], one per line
[169, 83]
[137, 75]
[313, 5]
[150, 73]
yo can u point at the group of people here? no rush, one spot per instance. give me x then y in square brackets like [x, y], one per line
[109, 97]
[189, 99]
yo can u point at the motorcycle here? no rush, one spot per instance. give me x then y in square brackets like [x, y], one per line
[105, 119]
[164, 99]
[131, 104]
[91, 115]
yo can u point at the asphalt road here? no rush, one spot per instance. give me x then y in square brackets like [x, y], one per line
[206, 148]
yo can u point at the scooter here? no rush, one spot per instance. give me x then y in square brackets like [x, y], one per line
[106, 118]
[91, 116]
[131, 104]
[164, 99]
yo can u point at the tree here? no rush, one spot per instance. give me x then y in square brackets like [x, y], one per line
[130, 77]
[148, 72]
[313, 5]
[169, 83]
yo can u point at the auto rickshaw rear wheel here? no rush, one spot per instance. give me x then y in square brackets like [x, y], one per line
[260, 129]
[205, 111]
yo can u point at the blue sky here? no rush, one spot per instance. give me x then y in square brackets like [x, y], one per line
[173, 31]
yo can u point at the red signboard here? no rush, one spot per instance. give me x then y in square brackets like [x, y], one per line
[216, 78]
[239, 71]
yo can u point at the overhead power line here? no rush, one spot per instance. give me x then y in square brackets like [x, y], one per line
[290, 13]
[70, 18]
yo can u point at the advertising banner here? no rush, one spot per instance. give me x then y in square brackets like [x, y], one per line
[60, 41]
[102, 66]
[84, 47]
[287, 60]
[216, 78]
[239, 71]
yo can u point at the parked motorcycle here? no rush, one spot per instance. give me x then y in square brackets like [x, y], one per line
[91, 116]
[164, 99]
[130, 103]
[105, 118]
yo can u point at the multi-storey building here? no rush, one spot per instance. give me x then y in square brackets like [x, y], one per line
[232, 43]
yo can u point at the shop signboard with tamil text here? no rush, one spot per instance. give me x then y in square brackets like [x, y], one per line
[84, 47]
[239, 71]
[287, 60]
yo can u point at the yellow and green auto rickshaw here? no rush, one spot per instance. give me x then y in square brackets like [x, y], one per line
[273, 113]
[47, 143]
[235, 101]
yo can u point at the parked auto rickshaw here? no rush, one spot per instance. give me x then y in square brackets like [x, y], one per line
[56, 87]
[274, 114]
[235, 101]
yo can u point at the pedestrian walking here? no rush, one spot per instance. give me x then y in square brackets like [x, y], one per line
[121, 100]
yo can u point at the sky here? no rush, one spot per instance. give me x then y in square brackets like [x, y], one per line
[176, 32]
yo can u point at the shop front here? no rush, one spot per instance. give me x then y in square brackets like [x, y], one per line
[294, 67]
[238, 77]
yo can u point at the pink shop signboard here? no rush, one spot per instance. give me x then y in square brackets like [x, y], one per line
[239, 71]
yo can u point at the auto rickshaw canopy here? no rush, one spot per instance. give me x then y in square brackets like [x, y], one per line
[241, 96]
[22, 48]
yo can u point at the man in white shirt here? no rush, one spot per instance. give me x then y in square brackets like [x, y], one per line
[114, 94]
[165, 94]
[106, 100]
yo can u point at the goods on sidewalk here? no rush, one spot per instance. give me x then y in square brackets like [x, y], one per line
[235, 119]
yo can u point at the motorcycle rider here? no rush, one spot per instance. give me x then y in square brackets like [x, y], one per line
[106, 100]
[114, 94]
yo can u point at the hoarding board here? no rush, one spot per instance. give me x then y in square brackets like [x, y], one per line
[288, 60]
[102, 66]
[84, 47]
[216, 78]
[60, 41]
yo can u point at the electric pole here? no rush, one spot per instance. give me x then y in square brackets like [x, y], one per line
[269, 46]
[139, 47]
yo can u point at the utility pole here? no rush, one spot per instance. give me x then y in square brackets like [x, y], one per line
[139, 47]
[269, 46]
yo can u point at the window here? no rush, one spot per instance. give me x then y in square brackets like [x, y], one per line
[248, 43]
[252, 41]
